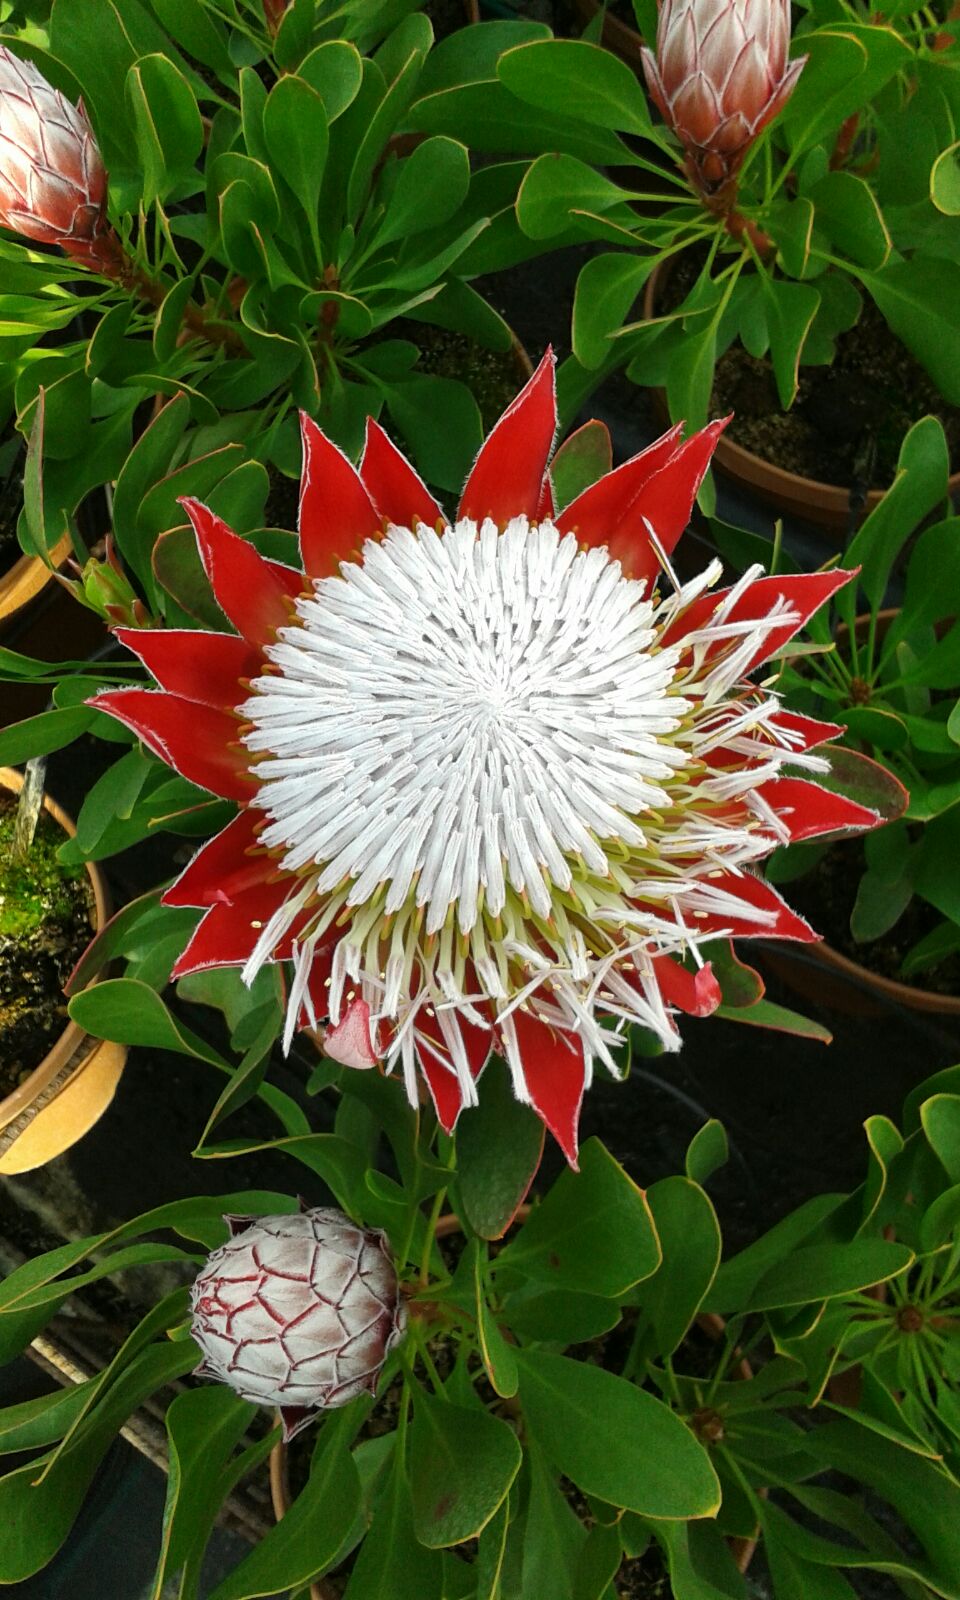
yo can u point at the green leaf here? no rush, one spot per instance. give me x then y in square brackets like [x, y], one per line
[495, 1352]
[181, 574]
[555, 1316]
[689, 1235]
[486, 116]
[583, 458]
[316, 1524]
[607, 93]
[432, 184]
[38, 736]
[146, 464]
[335, 70]
[594, 1232]
[606, 292]
[849, 63]
[915, 297]
[864, 780]
[462, 1462]
[392, 1563]
[167, 124]
[940, 1118]
[945, 181]
[880, 903]
[556, 188]
[440, 422]
[791, 309]
[846, 208]
[737, 1278]
[36, 1516]
[614, 1440]
[384, 120]
[707, 1151]
[825, 1271]
[766, 1014]
[553, 1534]
[499, 1145]
[297, 138]
[203, 1428]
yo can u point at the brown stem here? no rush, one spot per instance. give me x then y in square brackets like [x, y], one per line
[845, 137]
[136, 281]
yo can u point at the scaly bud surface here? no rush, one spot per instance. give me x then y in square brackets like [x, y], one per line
[298, 1312]
[720, 74]
[53, 186]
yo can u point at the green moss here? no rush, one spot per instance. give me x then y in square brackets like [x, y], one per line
[38, 889]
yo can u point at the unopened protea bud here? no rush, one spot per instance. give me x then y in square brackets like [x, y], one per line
[720, 74]
[53, 186]
[298, 1312]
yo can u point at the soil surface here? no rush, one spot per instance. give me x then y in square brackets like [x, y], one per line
[848, 420]
[826, 897]
[45, 924]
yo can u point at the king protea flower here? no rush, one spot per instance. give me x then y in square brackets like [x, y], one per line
[496, 791]
[720, 74]
[53, 187]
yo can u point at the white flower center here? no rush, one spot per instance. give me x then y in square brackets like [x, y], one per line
[462, 712]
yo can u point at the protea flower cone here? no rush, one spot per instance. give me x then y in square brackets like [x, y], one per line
[720, 74]
[53, 187]
[496, 791]
[298, 1312]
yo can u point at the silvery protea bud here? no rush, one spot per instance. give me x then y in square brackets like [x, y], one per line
[53, 187]
[298, 1312]
[720, 74]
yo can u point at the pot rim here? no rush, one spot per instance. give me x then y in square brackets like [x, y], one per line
[28, 577]
[816, 498]
[70, 1051]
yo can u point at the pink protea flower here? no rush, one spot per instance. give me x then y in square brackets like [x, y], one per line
[53, 187]
[720, 74]
[494, 787]
[298, 1312]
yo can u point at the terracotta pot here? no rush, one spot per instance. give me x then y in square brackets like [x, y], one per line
[75, 1082]
[22, 582]
[818, 972]
[827, 504]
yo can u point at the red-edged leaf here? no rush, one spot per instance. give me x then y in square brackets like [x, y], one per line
[507, 476]
[666, 503]
[445, 1090]
[696, 993]
[336, 511]
[254, 593]
[751, 891]
[554, 1071]
[433, 1052]
[807, 810]
[398, 492]
[210, 668]
[199, 742]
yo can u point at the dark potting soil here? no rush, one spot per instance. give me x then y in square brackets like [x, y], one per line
[848, 420]
[825, 896]
[45, 925]
[493, 376]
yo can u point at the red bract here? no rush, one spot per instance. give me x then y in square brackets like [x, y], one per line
[720, 74]
[496, 791]
[53, 187]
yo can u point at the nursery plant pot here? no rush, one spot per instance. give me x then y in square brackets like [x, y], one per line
[819, 972]
[72, 1086]
[28, 576]
[788, 493]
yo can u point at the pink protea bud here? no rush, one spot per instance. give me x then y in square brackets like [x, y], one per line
[298, 1312]
[53, 187]
[720, 74]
